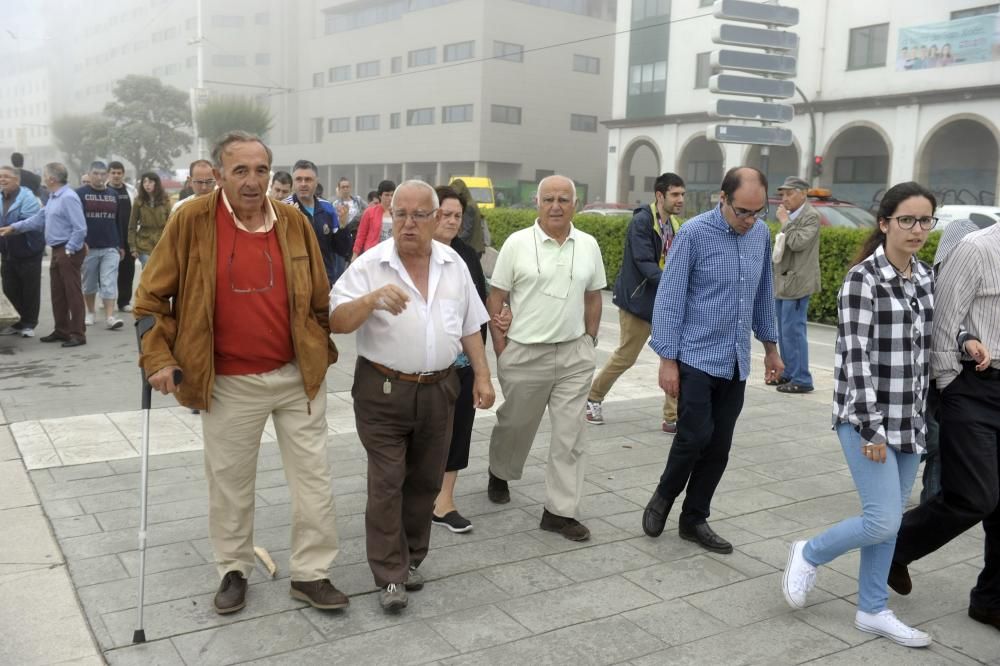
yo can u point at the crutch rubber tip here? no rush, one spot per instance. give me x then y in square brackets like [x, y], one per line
[139, 636]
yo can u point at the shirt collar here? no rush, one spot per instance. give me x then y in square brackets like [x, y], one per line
[798, 211]
[58, 193]
[270, 217]
[542, 236]
[718, 220]
[888, 271]
[387, 254]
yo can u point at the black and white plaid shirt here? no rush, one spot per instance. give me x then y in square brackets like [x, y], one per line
[882, 366]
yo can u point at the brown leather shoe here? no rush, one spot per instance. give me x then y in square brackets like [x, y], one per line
[899, 579]
[319, 594]
[986, 616]
[232, 593]
[569, 528]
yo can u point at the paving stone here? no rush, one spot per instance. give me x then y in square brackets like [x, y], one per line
[600, 561]
[497, 524]
[8, 448]
[441, 596]
[363, 616]
[961, 633]
[683, 577]
[581, 602]
[746, 565]
[765, 523]
[472, 556]
[886, 653]
[810, 487]
[62, 508]
[95, 570]
[626, 478]
[600, 532]
[478, 628]
[835, 617]
[243, 641]
[675, 622]
[604, 641]
[520, 579]
[76, 472]
[749, 601]
[17, 490]
[155, 513]
[156, 653]
[748, 500]
[75, 526]
[936, 594]
[821, 511]
[34, 545]
[179, 555]
[163, 586]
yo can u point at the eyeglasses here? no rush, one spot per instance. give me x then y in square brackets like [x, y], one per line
[270, 268]
[205, 183]
[744, 213]
[417, 216]
[908, 221]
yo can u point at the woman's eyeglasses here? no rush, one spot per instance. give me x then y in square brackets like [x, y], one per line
[909, 221]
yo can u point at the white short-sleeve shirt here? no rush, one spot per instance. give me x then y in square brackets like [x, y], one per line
[426, 336]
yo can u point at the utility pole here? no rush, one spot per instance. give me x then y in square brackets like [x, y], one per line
[198, 92]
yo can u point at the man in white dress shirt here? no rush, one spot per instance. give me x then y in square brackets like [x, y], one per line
[414, 305]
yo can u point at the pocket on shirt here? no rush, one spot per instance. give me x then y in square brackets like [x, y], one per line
[452, 316]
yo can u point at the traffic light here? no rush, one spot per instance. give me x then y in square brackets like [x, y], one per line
[817, 166]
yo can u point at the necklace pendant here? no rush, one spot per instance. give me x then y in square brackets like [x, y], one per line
[387, 386]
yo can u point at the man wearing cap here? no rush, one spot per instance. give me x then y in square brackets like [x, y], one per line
[796, 278]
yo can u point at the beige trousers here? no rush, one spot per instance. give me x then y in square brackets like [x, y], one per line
[634, 334]
[534, 377]
[232, 430]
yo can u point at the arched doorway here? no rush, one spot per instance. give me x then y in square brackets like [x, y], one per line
[638, 168]
[856, 166]
[700, 166]
[958, 162]
[781, 163]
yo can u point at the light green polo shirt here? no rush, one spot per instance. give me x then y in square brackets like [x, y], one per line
[547, 282]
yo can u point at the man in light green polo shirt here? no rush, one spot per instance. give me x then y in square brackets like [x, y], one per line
[551, 274]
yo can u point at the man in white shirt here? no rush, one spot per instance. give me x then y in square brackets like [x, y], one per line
[414, 305]
[202, 182]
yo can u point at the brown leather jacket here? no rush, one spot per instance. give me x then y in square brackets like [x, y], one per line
[182, 269]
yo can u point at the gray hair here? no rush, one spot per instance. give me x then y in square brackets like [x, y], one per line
[419, 184]
[57, 172]
[556, 175]
[14, 171]
[237, 136]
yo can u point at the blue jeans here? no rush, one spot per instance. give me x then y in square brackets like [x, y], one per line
[100, 272]
[884, 489]
[143, 258]
[792, 342]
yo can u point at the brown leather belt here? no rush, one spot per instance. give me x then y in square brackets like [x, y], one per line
[418, 378]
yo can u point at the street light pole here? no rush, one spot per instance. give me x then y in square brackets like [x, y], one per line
[812, 134]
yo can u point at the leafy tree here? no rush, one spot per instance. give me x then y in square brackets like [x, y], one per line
[146, 120]
[81, 139]
[233, 113]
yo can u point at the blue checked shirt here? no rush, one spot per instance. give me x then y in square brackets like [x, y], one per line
[716, 288]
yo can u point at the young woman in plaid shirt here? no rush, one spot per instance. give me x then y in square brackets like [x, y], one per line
[882, 372]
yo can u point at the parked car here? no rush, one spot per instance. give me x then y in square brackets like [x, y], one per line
[608, 205]
[480, 188]
[605, 211]
[946, 214]
[832, 211]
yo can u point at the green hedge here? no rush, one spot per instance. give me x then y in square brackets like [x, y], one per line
[837, 247]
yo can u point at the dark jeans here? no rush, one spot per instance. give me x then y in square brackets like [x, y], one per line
[22, 284]
[970, 482]
[465, 415]
[126, 274]
[707, 410]
[932, 459]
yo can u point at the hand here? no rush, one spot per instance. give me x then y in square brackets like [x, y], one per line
[6, 231]
[163, 380]
[390, 298]
[121, 253]
[781, 214]
[670, 377]
[342, 211]
[979, 353]
[135, 255]
[874, 452]
[773, 366]
[502, 320]
[483, 395]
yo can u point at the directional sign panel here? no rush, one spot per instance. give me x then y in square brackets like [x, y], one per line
[763, 111]
[730, 84]
[751, 61]
[760, 38]
[755, 12]
[761, 136]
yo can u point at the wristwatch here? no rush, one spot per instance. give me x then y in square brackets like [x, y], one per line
[594, 338]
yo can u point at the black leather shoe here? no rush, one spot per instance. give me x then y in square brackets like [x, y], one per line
[74, 342]
[706, 537]
[232, 593]
[899, 579]
[497, 490]
[52, 337]
[986, 616]
[654, 518]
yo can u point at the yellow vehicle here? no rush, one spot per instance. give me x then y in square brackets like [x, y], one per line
[480, 188]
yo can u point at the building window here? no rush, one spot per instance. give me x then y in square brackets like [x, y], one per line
[338, 125]
[229, 60]
[460, 113]
[421, 57]
[394, 120]
[420, 116]
[317, 130]
[396, 64]
[318, 80]
[508, 51]
[262, 18]
[975, 11]
[704, 172]
[459, 51]
[581, 123]
[861, 169]
[544, 173]
[264, 59]
[648, 78]
[367, 69]
[234, 21]
[646, 9]
[339, 73]
[365, 123]
[702, 69]
[868, 46]
[586, 64]
[510, 115]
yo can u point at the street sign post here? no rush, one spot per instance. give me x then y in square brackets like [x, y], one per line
[760, 111]
[752, 86]
[761, 136]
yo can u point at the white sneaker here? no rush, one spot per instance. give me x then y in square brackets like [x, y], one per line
[89, 319]
[126, 308]
[799, 578]
[113, 323]
[27, 332]
[594, 413]
[887, 624]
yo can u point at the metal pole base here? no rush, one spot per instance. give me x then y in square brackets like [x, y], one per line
[139, 636]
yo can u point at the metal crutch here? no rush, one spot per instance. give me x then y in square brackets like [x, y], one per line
[142, 326]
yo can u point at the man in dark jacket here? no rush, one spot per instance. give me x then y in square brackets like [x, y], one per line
[20, 256]
[29, 179]
[334, 245]
[647, 242]
[126, 268]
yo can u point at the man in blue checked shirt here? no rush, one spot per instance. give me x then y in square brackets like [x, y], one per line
[716, 288]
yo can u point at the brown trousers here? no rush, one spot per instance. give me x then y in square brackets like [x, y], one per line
[406, 434]
[66, 287]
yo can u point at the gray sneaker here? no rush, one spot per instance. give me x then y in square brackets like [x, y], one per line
[415, 581]
[595, 414]
[394, 598]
